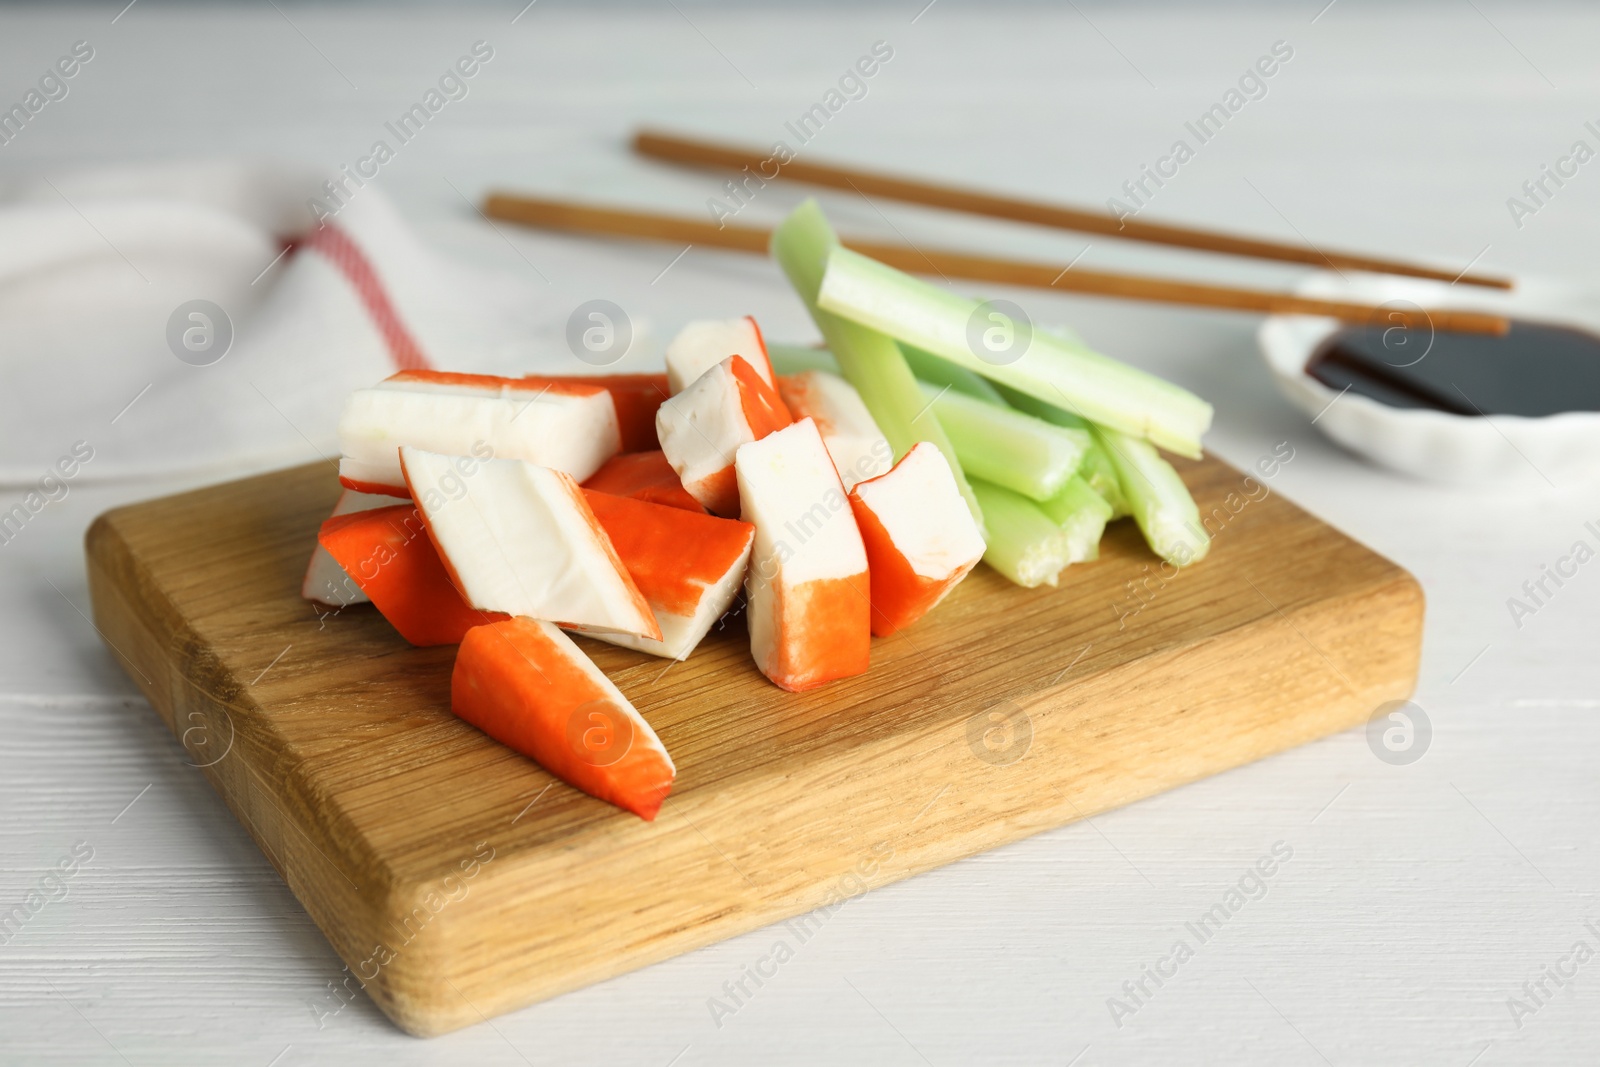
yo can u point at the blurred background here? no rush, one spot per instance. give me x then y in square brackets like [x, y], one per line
[1421, 898]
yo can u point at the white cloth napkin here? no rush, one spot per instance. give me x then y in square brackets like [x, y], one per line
[93, 266]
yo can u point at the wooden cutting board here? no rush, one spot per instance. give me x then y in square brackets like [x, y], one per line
[459, 880]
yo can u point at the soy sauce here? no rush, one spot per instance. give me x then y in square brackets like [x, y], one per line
[1535, 369]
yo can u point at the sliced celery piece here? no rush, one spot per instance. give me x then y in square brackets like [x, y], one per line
[797, 359]
[873, 363]
[1017, 451]
[1084, 382]
[1082, 515]
[1158, 499]
[1025, 545]
[1096, 468]
[930, 368]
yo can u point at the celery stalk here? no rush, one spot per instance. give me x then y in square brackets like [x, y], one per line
[1098, 471]
[1051, 368]
[803, 244]
[1010, 449]
[1158, 499]
[930, 368]
[1096, 468]
[1025, 545]
[1082, 515]
[797, 359]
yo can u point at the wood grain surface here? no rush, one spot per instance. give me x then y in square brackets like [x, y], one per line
[458, 880]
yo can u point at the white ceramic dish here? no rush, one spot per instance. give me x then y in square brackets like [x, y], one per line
[1429, 444]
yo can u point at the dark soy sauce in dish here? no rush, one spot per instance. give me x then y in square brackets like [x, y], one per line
[1535, 369]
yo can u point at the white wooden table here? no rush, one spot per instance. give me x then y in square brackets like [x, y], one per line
[1418, 899]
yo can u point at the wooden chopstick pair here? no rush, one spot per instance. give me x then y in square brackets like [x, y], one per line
[574, 217]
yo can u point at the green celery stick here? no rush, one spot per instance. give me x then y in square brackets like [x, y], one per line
[930, 368]
[1096, 468]
[797, 359]
[1051, 368]
[1082, 515]
[802, 244]
[1157, 498]
[1006, 447]
[792, 359]
[1025, 544]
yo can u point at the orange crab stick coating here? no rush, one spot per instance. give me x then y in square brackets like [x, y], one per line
[687, 565]
[387, 552]
[808, 586]
[920, 537]
[702, 428]
[325, 581]
[528, 686]
[643, 476]
[636, 397]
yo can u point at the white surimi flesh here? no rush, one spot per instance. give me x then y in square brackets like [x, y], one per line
[858, 447]
[704, 343]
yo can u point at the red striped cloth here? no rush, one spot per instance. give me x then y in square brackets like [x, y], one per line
[336, 246]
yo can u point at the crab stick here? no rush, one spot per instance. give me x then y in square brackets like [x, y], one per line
[808, 588]
[525, 684]
[635, 397]
[920, 537]
[704, 343]
[326, 582]
[702, 428]
[519, 538]
[688, 565]
[643, 476]
[386, 551]
[569, 427]
[858, 447]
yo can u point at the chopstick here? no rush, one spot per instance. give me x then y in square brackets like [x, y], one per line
[617, 222]
[687, 150]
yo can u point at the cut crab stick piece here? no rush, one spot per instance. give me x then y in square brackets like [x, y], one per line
[858, 447]
[643, 476]
[810, 606]
[387, 552]
[635, 397]
[703, 344]
[688, 565]
[571, 427]
[919, 535]
[326, 582]
[528, 686]
[519, 538]
[702, 428]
